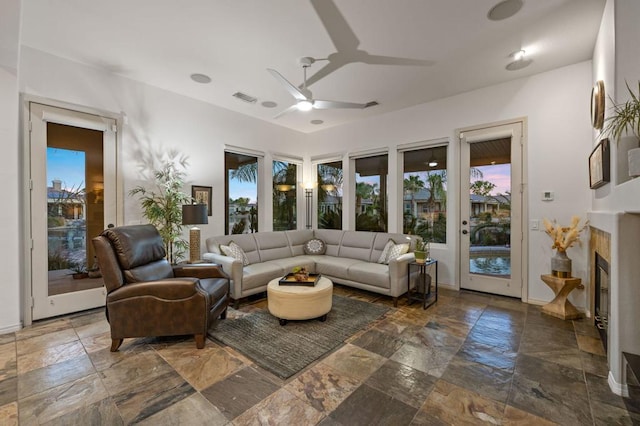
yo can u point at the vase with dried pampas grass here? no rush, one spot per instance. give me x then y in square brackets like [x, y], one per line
[563, 238]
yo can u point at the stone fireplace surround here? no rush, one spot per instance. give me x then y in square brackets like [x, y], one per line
[616, 237]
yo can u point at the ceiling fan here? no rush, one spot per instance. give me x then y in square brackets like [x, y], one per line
[304, 97]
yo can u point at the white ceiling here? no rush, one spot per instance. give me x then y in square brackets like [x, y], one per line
[163, 42]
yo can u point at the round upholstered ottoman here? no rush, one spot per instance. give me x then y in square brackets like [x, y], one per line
[296, 302]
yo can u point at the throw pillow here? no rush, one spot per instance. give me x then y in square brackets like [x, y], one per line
[385, 251]
[235, 251]
[396, 251]
[314, 246]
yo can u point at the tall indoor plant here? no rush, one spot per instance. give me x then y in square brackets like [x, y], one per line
[162, 203]
[624, 119]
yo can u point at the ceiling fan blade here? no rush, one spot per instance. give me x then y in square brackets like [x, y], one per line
[318, 104]
[324, 71]
[281, 113]
[295, 92]
[391, 60]
[339, 31]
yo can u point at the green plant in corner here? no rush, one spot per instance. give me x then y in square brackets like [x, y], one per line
[162, 204]
[624, 117]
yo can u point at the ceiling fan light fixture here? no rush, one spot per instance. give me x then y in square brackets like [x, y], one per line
[518, 55]
[304, 105]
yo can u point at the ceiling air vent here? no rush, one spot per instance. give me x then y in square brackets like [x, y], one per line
[245, 97]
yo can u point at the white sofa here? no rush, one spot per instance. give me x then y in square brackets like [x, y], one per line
[351, 258]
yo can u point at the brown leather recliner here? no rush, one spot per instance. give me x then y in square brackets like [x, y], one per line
[146, 296]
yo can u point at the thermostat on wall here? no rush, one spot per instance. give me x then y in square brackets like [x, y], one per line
[547, 195]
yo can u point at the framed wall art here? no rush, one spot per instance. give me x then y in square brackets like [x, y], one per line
[599, 164]
[202, 195]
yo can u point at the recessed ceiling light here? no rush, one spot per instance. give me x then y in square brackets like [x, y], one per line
[518, 65]
[316, 121]
[505, 9]
[201, 78]
[269, 104]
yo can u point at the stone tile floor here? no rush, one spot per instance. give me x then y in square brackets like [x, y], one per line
[469, 359]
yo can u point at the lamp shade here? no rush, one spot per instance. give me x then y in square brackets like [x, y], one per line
[194, 214]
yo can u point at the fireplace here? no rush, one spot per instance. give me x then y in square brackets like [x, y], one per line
[602, 302]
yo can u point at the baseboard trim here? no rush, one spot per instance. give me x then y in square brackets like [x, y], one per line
[11, 328]
[617, 388]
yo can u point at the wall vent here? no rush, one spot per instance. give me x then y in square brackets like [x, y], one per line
[245, 97]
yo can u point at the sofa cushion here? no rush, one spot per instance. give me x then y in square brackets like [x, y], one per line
[332, 238]
[315, 246]
[289, 263]
[385, 252]
[259, 274]
[396, 251]
[382, 238]
[246, 241]
[357, 245]
[337, 267]
[297, 238]
[373, 274]
[235, 251]
[272, 245]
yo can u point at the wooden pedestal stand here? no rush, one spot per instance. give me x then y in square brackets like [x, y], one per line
[560, 306]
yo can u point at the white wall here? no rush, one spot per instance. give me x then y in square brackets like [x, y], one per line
[556, 105]
[10, 221]
[616, 206]
[157, 121]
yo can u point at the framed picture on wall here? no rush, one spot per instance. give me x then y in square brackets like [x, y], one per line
[202, 195]
[599, 164]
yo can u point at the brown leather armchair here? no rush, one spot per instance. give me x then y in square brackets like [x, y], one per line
[146, 296]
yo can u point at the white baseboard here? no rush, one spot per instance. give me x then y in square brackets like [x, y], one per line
[11, 328]
[617, 388]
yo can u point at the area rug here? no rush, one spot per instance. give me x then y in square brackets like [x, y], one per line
[285, 350]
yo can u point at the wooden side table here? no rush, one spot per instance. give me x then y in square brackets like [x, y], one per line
[560, 306]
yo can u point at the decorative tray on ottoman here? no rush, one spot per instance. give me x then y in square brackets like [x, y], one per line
[290, 279]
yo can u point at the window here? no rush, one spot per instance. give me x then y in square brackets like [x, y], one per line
[371, 193]
[425, 191]
[285, 176]
[241, 189]
[330, 195]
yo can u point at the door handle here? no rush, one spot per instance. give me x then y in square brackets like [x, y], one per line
[464, 231]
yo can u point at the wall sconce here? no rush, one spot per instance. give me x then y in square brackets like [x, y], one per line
[308, 195]
[194, 214]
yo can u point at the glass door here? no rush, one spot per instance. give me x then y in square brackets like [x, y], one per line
[491, 220]
[73, 199]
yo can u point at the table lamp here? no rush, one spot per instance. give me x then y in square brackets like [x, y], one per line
[194, 214]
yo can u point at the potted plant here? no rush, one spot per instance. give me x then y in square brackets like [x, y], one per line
[79, 270]
[422, 250]
[625, 118]
[162, 204]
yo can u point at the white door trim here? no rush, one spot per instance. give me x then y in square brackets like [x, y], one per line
[524, 254]
[26, 100]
